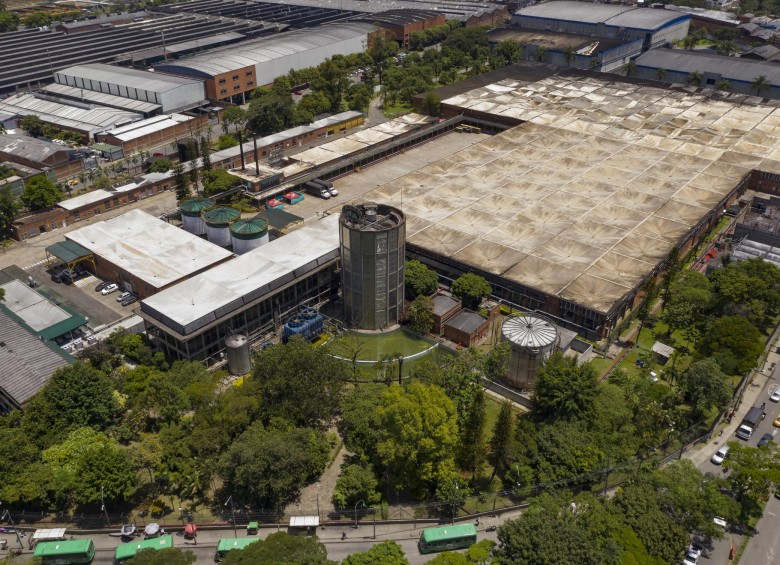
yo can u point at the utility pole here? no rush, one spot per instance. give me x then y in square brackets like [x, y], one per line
[232, 513]
[7, 514]
[103, 506]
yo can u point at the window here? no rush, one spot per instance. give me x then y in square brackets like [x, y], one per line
[116, 202]
[97, 211]
[223, 91]
[250, 82]
[249, 73]
[222, 81]
[237, 87]
[235, 77]
[77, 215]
[53, 226]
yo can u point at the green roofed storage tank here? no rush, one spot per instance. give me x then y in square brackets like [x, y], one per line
[246, 235]
[218, 222]
[191, 211]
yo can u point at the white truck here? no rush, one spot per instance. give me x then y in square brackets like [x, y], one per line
[749, 423]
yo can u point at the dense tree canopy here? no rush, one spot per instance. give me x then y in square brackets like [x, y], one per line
[734, 343]
[385, 553]
[419, 280]
[471, 289]
[169, 556]
[281, 549]
[564, 389]
[39, 192]
[705, 387]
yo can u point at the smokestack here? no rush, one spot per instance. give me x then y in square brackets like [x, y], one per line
[241, 149]
[257, 161]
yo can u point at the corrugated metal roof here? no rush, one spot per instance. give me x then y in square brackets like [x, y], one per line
[227, 59]
[95, 119]
[148, 126]
[132, 78]
[608, 14]
[529, 331]
[101, 98]
[26, 362]
[466, 321]
[26, 147]
[84, 199]
[221, 216]
[731, 68]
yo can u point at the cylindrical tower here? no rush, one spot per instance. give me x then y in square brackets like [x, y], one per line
[218, 222]
[238, 361]
[532, 340]
[246, 235]
[191, 211]
[373, 249]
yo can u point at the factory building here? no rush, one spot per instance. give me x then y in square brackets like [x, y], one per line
[400, 24]
[153, 132]
[715, 70]
[231, 73]
[144, 254]
[571, 210]
[40, 155]
[170, 93]
[372, 244]
[250, 294]
[607, 21]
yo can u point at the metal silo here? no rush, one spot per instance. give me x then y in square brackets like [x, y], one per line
[191, 211]
[246, 235]
[532, 340]
[373, 250]
[218, 222]
[238, 354]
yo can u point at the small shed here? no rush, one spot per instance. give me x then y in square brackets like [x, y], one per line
[444, 308]
[662, 352]
[467, 328]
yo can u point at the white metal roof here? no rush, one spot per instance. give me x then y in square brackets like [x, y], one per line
[84, 199]
[230, 58]
[194, 303]
[149, 248]
[35, 310]
[304, 521]
[608, 14]
[95, 119]
[148, 126]
[102, 98]
[133, 78]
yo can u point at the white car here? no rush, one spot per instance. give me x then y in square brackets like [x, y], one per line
[122, 296]
[720, 455]
[58, 142]
[109, 289]
[718, 521]
[775, 396]
[333, 191]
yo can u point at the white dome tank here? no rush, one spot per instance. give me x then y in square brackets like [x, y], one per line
[532, 340]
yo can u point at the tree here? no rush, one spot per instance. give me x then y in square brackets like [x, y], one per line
[355, 483]
[734, 343]
[9, 208]
[690, 42]
[39, 192]
[107, 474]
[540, 56]
[565, 389]
[32, 125]
[629, 68]
[226, 142]
[233, 115]
[266, 467]
[705, 387]
[471, 289]
[77, 395]
[298, 382]
[509, 50]
[281, 549]
[472, 452]
[215, 181]
[755, 473]
[269, 113]
[161, 166]
[180, 183]
[500, 454]
[420, 315]
[419, 280]
[449, 558]
[569, 55]
[555, 530]
[419, 434]
[480, 553]
[433, 104]
[167, 556]
[695, 78]
[205, 154]
[36, 19]
[661, 74]
[759, 84]
[8, 21]
[385, 553]
[723, 85]
[359, 421]
[726, 47]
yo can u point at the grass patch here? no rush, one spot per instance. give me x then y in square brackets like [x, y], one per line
[396, 109]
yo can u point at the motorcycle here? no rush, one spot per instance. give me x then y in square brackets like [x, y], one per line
[491, 528]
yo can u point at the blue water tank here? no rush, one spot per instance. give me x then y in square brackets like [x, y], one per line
[307, 324]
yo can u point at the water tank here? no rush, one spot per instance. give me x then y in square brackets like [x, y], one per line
[191, 214]
[237, 354]
[373, 248]
[246, 235]
[218, 222]
[532, 339]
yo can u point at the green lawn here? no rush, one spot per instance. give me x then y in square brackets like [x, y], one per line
[396, 109]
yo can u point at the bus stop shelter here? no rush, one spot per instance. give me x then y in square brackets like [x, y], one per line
[304, 521]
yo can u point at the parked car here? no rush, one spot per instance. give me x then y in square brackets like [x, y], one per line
[101, 285]
[122, 296]
[692, 555]
[129, 300]
[765, 439]
[720, 455]
[58, 142]
[775, 396]
[109, 289]
[720, 522]
[776, 423]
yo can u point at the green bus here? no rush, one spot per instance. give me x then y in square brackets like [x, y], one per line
[65, 552]
[127, 551]
[447, 538]
[228, 544]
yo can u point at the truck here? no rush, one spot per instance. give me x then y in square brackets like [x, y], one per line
[317, 189]
[749, 423]
[327, 185]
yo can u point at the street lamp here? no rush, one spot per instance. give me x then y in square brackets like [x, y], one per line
[356, 505]
[454, 500]
[318, 501]
[7, 514]
[232, 513]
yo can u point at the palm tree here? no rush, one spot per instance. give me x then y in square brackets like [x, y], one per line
[759, 84]
[595, 62]
[661, 74]
[541, 54]
[695, 78]
[569, 54]
[723, 85]
[629, 68]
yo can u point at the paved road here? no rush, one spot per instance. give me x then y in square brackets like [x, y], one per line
[766, 542]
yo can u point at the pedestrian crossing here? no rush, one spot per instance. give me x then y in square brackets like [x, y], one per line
[86, 281]
[32, 266]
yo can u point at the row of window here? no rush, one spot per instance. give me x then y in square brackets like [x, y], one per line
[236, 87]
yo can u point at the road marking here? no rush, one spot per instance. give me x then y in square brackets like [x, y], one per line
[28, 267]
[86, 281]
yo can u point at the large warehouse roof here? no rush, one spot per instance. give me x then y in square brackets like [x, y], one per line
[32, 148]
[227, 59]
[124, 76]
[452, 9]
[608, 14]
[98, 118]
[148, 248]
[83, 95]
[732, 68]
[584, 199]
[148, 126]
[203, 299]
